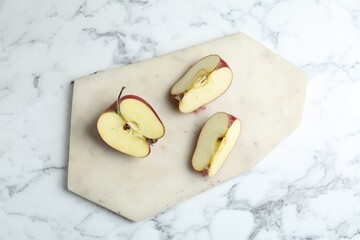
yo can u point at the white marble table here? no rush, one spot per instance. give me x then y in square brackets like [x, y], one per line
[308, 188]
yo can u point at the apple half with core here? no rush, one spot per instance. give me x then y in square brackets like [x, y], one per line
[205, 81]
[130, 125]
[216, 140]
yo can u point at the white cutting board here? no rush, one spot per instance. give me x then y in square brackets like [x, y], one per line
[267, 95]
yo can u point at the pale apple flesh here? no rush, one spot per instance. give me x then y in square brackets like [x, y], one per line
[216, 141]
[205, 81]
[141, 118]
[130, 125]
[112, 130]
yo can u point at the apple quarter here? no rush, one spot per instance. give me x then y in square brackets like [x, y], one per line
[216, 140]
[267, 95]
[204, 82]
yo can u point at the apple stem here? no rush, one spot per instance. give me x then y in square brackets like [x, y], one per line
[117, 101]
[121, 91]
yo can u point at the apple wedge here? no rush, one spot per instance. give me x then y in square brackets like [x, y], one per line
[130, 125]
[205, 81]
[216, 140]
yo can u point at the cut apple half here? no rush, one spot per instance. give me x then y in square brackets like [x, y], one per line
[205, 81]
[216, 140]
[130, 125]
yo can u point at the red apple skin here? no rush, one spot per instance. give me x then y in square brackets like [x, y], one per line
[204, 172]
[221, 64]
[111, 108]
[174, 99]
[232, 118]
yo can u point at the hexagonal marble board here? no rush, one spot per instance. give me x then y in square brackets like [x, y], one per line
[267, 95]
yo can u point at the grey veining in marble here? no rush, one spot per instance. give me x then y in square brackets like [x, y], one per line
[308, 188]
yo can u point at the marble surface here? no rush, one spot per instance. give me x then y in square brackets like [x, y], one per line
[267, 94]
[308, 188]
